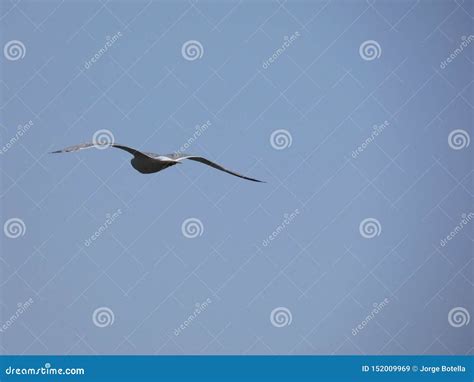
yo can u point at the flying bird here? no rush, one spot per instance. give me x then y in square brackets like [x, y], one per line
[148, 163]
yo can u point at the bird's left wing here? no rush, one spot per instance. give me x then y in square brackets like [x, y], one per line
[85, 146]
[70, 149]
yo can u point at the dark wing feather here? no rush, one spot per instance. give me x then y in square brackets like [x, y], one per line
[216, 166]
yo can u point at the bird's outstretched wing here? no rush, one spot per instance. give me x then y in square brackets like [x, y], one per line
[179, 157]
[84, 146]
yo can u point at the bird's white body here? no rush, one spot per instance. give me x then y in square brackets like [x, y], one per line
[147, 165]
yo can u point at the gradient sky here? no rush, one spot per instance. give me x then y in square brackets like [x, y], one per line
[142, 273]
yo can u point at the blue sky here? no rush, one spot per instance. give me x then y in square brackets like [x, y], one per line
[289, 90]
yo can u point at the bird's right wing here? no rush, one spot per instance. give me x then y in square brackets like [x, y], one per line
[216, 166]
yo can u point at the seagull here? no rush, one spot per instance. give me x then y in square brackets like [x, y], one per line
[148, 163]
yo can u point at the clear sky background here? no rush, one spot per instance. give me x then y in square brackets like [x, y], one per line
[139, 281]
